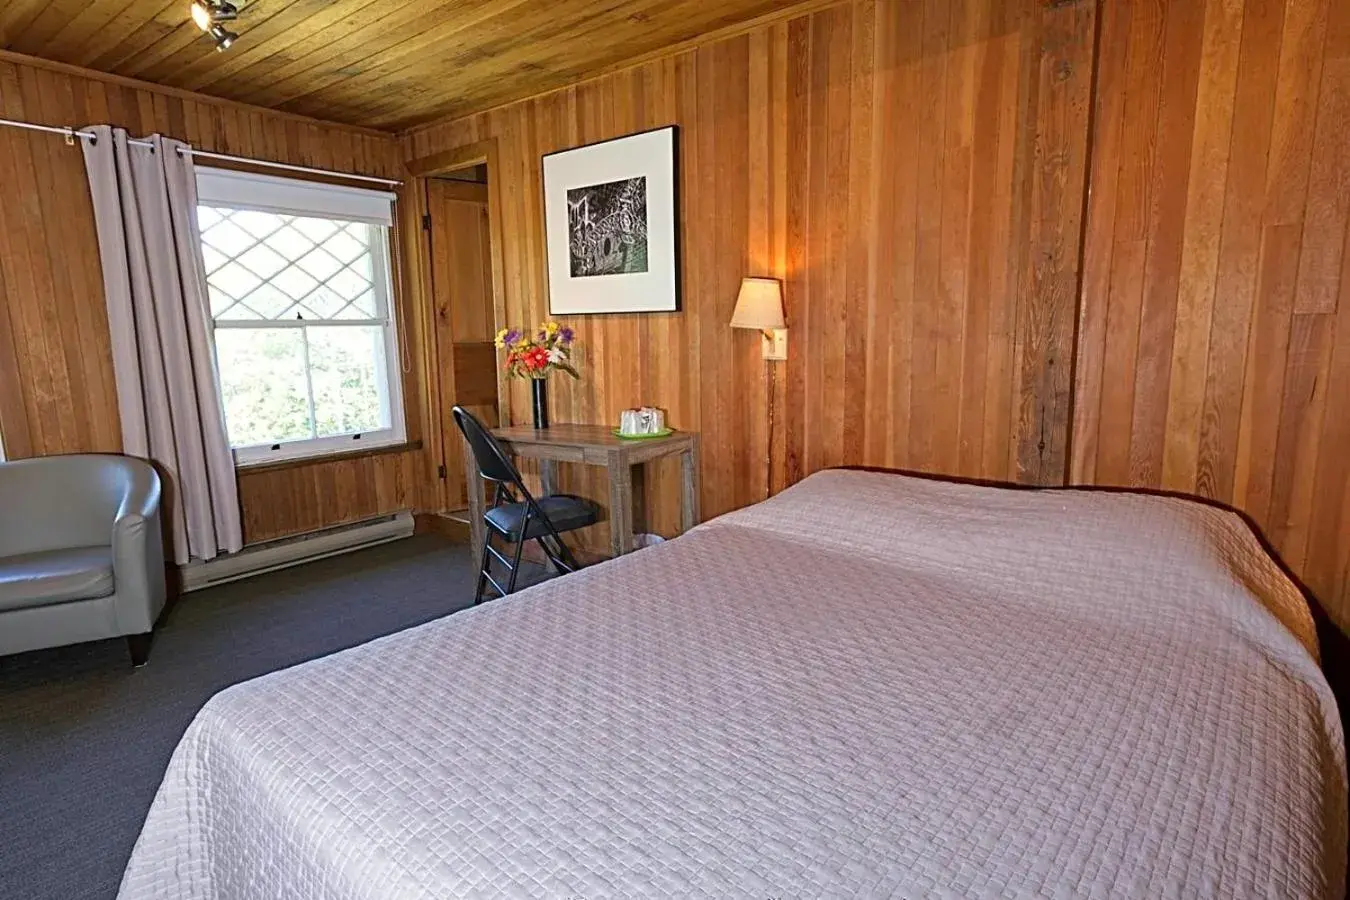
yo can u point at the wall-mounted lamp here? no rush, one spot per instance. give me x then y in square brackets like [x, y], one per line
[760, 306]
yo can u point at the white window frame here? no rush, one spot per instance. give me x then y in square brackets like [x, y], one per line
[228, 189]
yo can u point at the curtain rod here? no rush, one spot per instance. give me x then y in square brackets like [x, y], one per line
[70, 135]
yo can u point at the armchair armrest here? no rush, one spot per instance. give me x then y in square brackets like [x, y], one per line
[138, 558]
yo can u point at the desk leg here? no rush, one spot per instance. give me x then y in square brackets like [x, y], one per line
[689, 511]
[548, 476]
[620, 505]
[473, 486]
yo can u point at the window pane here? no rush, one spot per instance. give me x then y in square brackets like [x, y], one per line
[267, 302]
[349, 243]
[258, 225]
[222, 304]
[348, 284]
[212, 258]
[348, 371]
[262, 384]
[227, 238]
[322, 304]
[320, 263]
[266, 266]
[317, 230]
[263, 261]
[228, 286]
[290, 243]
[364, 267]
[295, 282]
[363, 307]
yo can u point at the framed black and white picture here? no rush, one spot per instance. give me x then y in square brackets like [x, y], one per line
[611, 226]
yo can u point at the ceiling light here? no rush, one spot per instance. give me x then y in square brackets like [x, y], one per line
[206, 13]
[223, 37]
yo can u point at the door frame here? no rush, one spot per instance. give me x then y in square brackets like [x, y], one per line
[420, 170]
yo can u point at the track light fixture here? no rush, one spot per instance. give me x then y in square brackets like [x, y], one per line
[208, 16]
[223, 37]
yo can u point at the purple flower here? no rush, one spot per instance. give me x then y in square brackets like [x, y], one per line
[511, 336]
[566, 334]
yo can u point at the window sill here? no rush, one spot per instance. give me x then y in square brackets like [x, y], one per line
[320, 458]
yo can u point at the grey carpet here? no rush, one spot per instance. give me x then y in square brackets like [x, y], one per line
[85, 739]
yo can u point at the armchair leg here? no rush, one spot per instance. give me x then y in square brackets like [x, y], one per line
[139, 645]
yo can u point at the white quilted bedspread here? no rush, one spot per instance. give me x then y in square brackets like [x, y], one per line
[870, 686]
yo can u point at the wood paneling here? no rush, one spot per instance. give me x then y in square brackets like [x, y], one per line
[476, 374]
[383, 63]
[56, 380]
[915, 172]
[1049, 235]
[912, 170]
[1214, 354]
[281, 502]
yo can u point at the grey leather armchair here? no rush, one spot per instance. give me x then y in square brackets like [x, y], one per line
[81, 552]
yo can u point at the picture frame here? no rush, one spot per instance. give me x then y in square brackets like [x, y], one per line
[611, 225]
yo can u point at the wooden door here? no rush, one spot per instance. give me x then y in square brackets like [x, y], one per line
[461, 285]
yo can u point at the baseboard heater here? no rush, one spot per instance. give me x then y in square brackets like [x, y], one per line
[292, 551]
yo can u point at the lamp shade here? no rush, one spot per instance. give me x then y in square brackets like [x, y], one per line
[760, 305]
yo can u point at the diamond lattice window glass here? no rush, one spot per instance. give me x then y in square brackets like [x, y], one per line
[306, 349]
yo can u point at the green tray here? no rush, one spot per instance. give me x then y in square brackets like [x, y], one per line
[642, 437]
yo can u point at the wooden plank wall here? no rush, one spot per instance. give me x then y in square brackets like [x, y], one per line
[56, 380]
[881, 158]
[914, 171]
[1214, 354]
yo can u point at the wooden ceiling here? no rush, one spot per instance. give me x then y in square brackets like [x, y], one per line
[384, 64]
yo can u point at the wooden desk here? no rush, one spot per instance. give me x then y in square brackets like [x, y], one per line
[591, 445]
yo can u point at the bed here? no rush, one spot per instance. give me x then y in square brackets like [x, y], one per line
[870, 685]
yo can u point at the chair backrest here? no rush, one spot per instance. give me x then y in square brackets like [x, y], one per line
[489, 455]
[58, 502]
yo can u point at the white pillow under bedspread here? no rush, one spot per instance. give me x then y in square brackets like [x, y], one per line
[869, 686]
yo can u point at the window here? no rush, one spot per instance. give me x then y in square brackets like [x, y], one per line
[306, 344]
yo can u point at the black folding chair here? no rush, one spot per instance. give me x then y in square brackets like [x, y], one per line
[515, 515]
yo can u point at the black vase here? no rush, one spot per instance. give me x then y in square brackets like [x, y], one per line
[540, 388]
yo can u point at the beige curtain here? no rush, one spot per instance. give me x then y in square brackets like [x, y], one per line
[145, 208]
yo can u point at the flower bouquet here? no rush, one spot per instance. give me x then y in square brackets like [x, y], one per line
[534, 356]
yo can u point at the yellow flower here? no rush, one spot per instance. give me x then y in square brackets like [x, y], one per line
[501, 339]
[551, 328]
